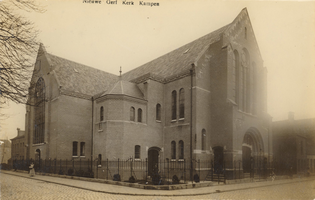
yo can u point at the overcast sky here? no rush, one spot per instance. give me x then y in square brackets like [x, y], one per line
[109, 36]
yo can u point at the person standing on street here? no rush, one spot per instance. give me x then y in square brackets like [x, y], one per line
[32, 170]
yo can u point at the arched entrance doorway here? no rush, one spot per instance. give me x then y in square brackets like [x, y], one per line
[153, 160]
[218, 159]
[252, 151]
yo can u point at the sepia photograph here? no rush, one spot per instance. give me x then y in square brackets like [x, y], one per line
[157, 99]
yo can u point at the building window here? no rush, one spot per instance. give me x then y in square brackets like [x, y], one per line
[39, 128]
[203, 140]
[158, 112]
[173, 150]
[99, 159]
[181, 149]
[237, 76]
[132, 114]
[102, 113]
[245, 33]
[137, 152]
[255, 90]
[182, 103]
[82, 149]
[75, 149]
[139, 115]
[174, 105]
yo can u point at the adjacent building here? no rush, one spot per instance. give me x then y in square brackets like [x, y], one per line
[294, 145]
[19, 146]
[205, 100]
[5, 151]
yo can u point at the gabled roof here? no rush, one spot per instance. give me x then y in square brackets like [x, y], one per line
[80, 78]
[175, 61]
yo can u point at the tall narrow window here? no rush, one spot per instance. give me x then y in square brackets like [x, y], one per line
[255, 90]
[248, 89]
[82, 149]
[174, 104]
[132, 114]
[137, 152]
[245, 33]
[99, 159]
[182, 103]
[39, 129]
[237, 76]
[158, 112]
[173, 150]
[139, 115]
[75, 149]
[102, 113]
[203, 140]
[181, 149]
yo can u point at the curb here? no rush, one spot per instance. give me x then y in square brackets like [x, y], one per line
[166, 195]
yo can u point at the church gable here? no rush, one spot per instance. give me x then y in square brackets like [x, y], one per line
[240, 34]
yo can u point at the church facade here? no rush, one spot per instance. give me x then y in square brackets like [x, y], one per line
[205, 100]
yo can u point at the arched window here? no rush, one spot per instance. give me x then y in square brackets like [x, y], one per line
[132, 114]
[182, 103]
[237, 76]
[102, 114]
[203, 140]
[39, 128]
[255, 90]
[74, 148]
[173, 150]
[158, 112]
[99, 159]
[137, 152]
[181, 149]
[247, 83]
[139, 115]
[82, 149]
[174, 104]
[246, 80]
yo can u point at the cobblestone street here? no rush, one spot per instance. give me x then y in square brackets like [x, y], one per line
[15, 187]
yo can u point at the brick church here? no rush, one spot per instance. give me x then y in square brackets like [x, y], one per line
[204, 100]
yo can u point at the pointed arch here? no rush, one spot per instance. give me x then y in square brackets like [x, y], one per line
[237, 76]
[182, 103]
[39, 129]
[174, 106]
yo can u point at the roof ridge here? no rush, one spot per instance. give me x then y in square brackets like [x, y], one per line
[49, 54]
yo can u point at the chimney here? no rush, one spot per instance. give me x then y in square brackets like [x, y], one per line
[291, 116]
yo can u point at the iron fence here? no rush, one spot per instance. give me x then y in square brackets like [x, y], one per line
[166, 171]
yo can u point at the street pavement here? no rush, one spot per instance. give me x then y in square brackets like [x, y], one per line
[15, 185]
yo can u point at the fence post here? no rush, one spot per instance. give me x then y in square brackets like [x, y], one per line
[146, 170]
[199, 169]
[118, 165]
[60, 166]
[73, 165]
[131, 167]
[185, 170]
[168, 171]
[212, 170]
[107, 168]
[66, 168]
[80, 164]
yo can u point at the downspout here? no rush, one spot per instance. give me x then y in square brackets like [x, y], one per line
[191, 120]
[92, 134]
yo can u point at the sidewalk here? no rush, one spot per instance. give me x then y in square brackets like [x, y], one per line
[123, 190]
